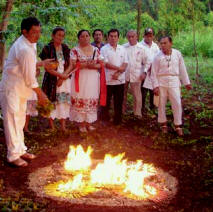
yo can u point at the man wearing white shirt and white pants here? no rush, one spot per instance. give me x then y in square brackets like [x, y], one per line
[153, 50]
[18, 82]
[115, 58]
[138, 65]
[168, 71]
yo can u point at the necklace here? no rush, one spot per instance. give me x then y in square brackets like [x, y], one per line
[168, 59]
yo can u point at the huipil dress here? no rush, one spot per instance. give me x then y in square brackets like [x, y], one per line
[62, 103]
[84, 103]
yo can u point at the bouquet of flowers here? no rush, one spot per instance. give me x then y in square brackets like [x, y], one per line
[45, 110]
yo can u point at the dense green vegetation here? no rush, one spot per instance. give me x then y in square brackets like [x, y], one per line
[166, 17]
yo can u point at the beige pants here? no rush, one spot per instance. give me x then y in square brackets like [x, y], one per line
[173, 94]
[135, 88]
[14, 121]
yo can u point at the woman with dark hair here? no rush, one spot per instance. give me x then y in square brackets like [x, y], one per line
[85, 85]
[56, 83]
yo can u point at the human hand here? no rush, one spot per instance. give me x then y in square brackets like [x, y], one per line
[156, 91]
[115, 76]
[91, 63]
[143, 76]
[38, 72]
[64, 76]
[59, 82]
[50, 64]
[42, 99]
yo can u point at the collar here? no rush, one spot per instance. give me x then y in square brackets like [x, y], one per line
[143, 42]
[170, 54]
[136, 45]
[28, 42]
[111, 47]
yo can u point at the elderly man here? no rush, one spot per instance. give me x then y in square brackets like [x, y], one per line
[168, 71]
[153, 50]
[98, 35]
[138, 65]
[18, 82]
[116, 61]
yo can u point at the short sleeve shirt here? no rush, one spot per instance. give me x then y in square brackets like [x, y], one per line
[115, 57]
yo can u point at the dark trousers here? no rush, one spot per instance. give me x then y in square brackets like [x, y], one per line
[117, 92]
[144, 92]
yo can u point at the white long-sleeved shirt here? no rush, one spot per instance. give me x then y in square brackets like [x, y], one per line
[169, 71]
[153, 51]
[138, 62]
[115, 57]
[19, 73]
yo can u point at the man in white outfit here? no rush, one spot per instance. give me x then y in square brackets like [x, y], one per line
[153, 50]
[115, 58]
[138, 65]
[18, 82]
[168, 71]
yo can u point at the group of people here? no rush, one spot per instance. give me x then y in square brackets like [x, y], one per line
[86, 78]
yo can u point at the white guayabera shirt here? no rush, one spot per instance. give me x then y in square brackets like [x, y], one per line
[153, 51]
[115, 57]
[138, 62]
[19, 74]
[169, 71]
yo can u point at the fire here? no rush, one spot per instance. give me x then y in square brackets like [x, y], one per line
[135, 180]
[74, 184]
[111, 172]
[129, 178]
[77, 159]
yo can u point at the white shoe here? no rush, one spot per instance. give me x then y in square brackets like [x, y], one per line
[91, 128]
[83, 129]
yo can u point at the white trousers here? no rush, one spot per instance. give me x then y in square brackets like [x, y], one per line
[14, 121]
[174, 96]
[137, 96]
[135, 88]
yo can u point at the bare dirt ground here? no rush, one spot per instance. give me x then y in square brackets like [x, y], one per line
[186, 158]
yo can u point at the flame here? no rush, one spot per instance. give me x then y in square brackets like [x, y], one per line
[77, 159]
[135, 180]
[111, 171]
[71, 185]
[114, 171]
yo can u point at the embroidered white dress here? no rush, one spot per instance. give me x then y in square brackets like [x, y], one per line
[62, 104]
[31, 105]
[84, 103]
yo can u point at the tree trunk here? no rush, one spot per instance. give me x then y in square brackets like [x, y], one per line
[3, 28]
[194, 41]
[139, 5]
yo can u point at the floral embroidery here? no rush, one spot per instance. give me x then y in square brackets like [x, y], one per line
[63, 97]
[31, 108]
[84, 105]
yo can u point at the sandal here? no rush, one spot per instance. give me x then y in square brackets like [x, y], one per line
[179, 131]
[28, 156]
[164, 129]
[19, 163]
[83, 129]
[91, 128]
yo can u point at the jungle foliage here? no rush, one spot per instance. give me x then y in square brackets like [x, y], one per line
[173, 17]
